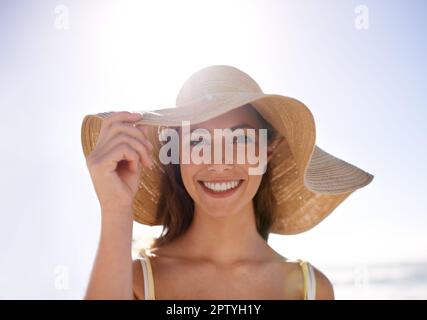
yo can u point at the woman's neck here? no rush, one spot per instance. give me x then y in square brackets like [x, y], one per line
[224, 240]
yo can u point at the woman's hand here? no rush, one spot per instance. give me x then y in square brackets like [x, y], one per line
[115, 162]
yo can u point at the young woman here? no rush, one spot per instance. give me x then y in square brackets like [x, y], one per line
[216, 216]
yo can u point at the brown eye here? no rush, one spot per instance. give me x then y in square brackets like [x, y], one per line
[194, 142]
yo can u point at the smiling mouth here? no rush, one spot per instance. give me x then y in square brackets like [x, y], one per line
[223, 187]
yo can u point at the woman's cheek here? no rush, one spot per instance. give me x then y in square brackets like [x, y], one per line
[187, 178]
[253, 184]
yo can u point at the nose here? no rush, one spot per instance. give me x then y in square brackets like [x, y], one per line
[219, 168]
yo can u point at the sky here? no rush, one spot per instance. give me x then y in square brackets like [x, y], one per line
[364, 82]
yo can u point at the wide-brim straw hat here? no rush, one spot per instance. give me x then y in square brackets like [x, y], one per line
[307, 182]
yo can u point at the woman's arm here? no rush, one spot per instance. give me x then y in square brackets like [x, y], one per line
[115, 167]
[111, 276]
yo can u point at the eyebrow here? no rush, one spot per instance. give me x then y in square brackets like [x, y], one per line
[239, 126]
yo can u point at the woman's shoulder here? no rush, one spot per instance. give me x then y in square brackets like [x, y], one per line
[151, 257]
[294, 270]
[138, 273]
[138, 278]
[291, 271]
[324, 287]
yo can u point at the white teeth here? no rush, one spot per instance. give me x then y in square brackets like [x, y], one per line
[220, 187]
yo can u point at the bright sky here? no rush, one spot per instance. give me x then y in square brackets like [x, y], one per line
[365, 88]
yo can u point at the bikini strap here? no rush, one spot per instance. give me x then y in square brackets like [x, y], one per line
[148, 275]
[309, 280]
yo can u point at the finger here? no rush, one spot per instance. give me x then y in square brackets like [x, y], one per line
[121, 127]
[122, 116]
[144, 130]
[144, 154]
[132, 142]
[118, 153]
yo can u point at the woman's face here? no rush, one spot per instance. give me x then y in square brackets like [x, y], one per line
[226, 188]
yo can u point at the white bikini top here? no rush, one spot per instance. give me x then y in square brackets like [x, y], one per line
[307, 271]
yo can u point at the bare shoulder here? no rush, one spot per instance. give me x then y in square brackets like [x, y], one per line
[138, 280]
[295, 279]
[324, 287]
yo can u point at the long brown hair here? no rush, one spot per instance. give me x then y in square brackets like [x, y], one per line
[176, 207]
